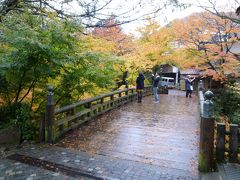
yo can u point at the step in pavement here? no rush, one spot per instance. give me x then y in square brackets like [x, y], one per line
[77, 164]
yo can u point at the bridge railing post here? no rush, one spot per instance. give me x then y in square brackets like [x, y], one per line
[50, 115]
[206, 156]
[112, 99]
[220, 144]
[200, 85]
[233, 143]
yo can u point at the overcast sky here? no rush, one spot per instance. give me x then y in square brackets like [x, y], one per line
[169, 14]
[133, 9]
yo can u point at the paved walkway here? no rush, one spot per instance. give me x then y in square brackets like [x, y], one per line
[137, 141]
[92, 166]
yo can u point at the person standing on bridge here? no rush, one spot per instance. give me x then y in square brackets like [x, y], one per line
[156, 80]
[140, 86]
[188, 86]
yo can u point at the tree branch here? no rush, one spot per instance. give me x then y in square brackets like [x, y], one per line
[29, 89]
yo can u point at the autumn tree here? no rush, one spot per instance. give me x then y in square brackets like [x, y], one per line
[155, 46]
[212, 35]
[32, 58]
[151, 48]
[112, 33]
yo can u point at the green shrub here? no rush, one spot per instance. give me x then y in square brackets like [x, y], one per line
[218, 108]
[227, 103]
[18, 114]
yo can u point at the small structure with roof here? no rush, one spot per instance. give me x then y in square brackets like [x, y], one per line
[170, 71]
[193, 72]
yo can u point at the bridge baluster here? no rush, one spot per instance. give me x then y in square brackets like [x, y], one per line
[220, 146]
[103, 107]
[88, 105]
[70, 113]
[206, 159]
[50, 114]
[233, 143]
[112, 99]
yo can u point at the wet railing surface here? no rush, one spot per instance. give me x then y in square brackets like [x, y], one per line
[61, 120]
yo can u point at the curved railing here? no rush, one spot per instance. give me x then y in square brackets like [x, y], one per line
[59, 121]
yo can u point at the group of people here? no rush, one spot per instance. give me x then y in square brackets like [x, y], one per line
[140, 86]
[156, 78]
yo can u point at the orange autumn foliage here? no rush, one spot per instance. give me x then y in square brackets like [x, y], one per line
[214, 38]
[112, 33]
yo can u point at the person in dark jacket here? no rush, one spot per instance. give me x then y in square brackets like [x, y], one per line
[140, 86]
[156, 80]
[188, 86]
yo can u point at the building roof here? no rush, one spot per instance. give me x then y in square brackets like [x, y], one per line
[166, 68]
[190, 71]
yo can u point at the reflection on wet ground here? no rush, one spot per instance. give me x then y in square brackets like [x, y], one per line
[164, 134]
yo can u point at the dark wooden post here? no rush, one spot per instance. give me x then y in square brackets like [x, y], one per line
[88, 105]
[112, 98]
[103, 107]
[233, 143]
[50, 115]
[42, 128]
[220, 146]
[207, 135]
[70, 113]
[206, 144]
[119, 100]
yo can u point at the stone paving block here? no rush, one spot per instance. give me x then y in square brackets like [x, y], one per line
[232, 171]
[101, 165]
[12, 170]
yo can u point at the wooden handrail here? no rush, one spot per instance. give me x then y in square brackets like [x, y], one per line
[80, 103]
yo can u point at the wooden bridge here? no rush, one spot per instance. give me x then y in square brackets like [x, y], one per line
[114, 137]
[161, 135]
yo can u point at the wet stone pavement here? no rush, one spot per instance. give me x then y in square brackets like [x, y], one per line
[13, 170]
[137, 141]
